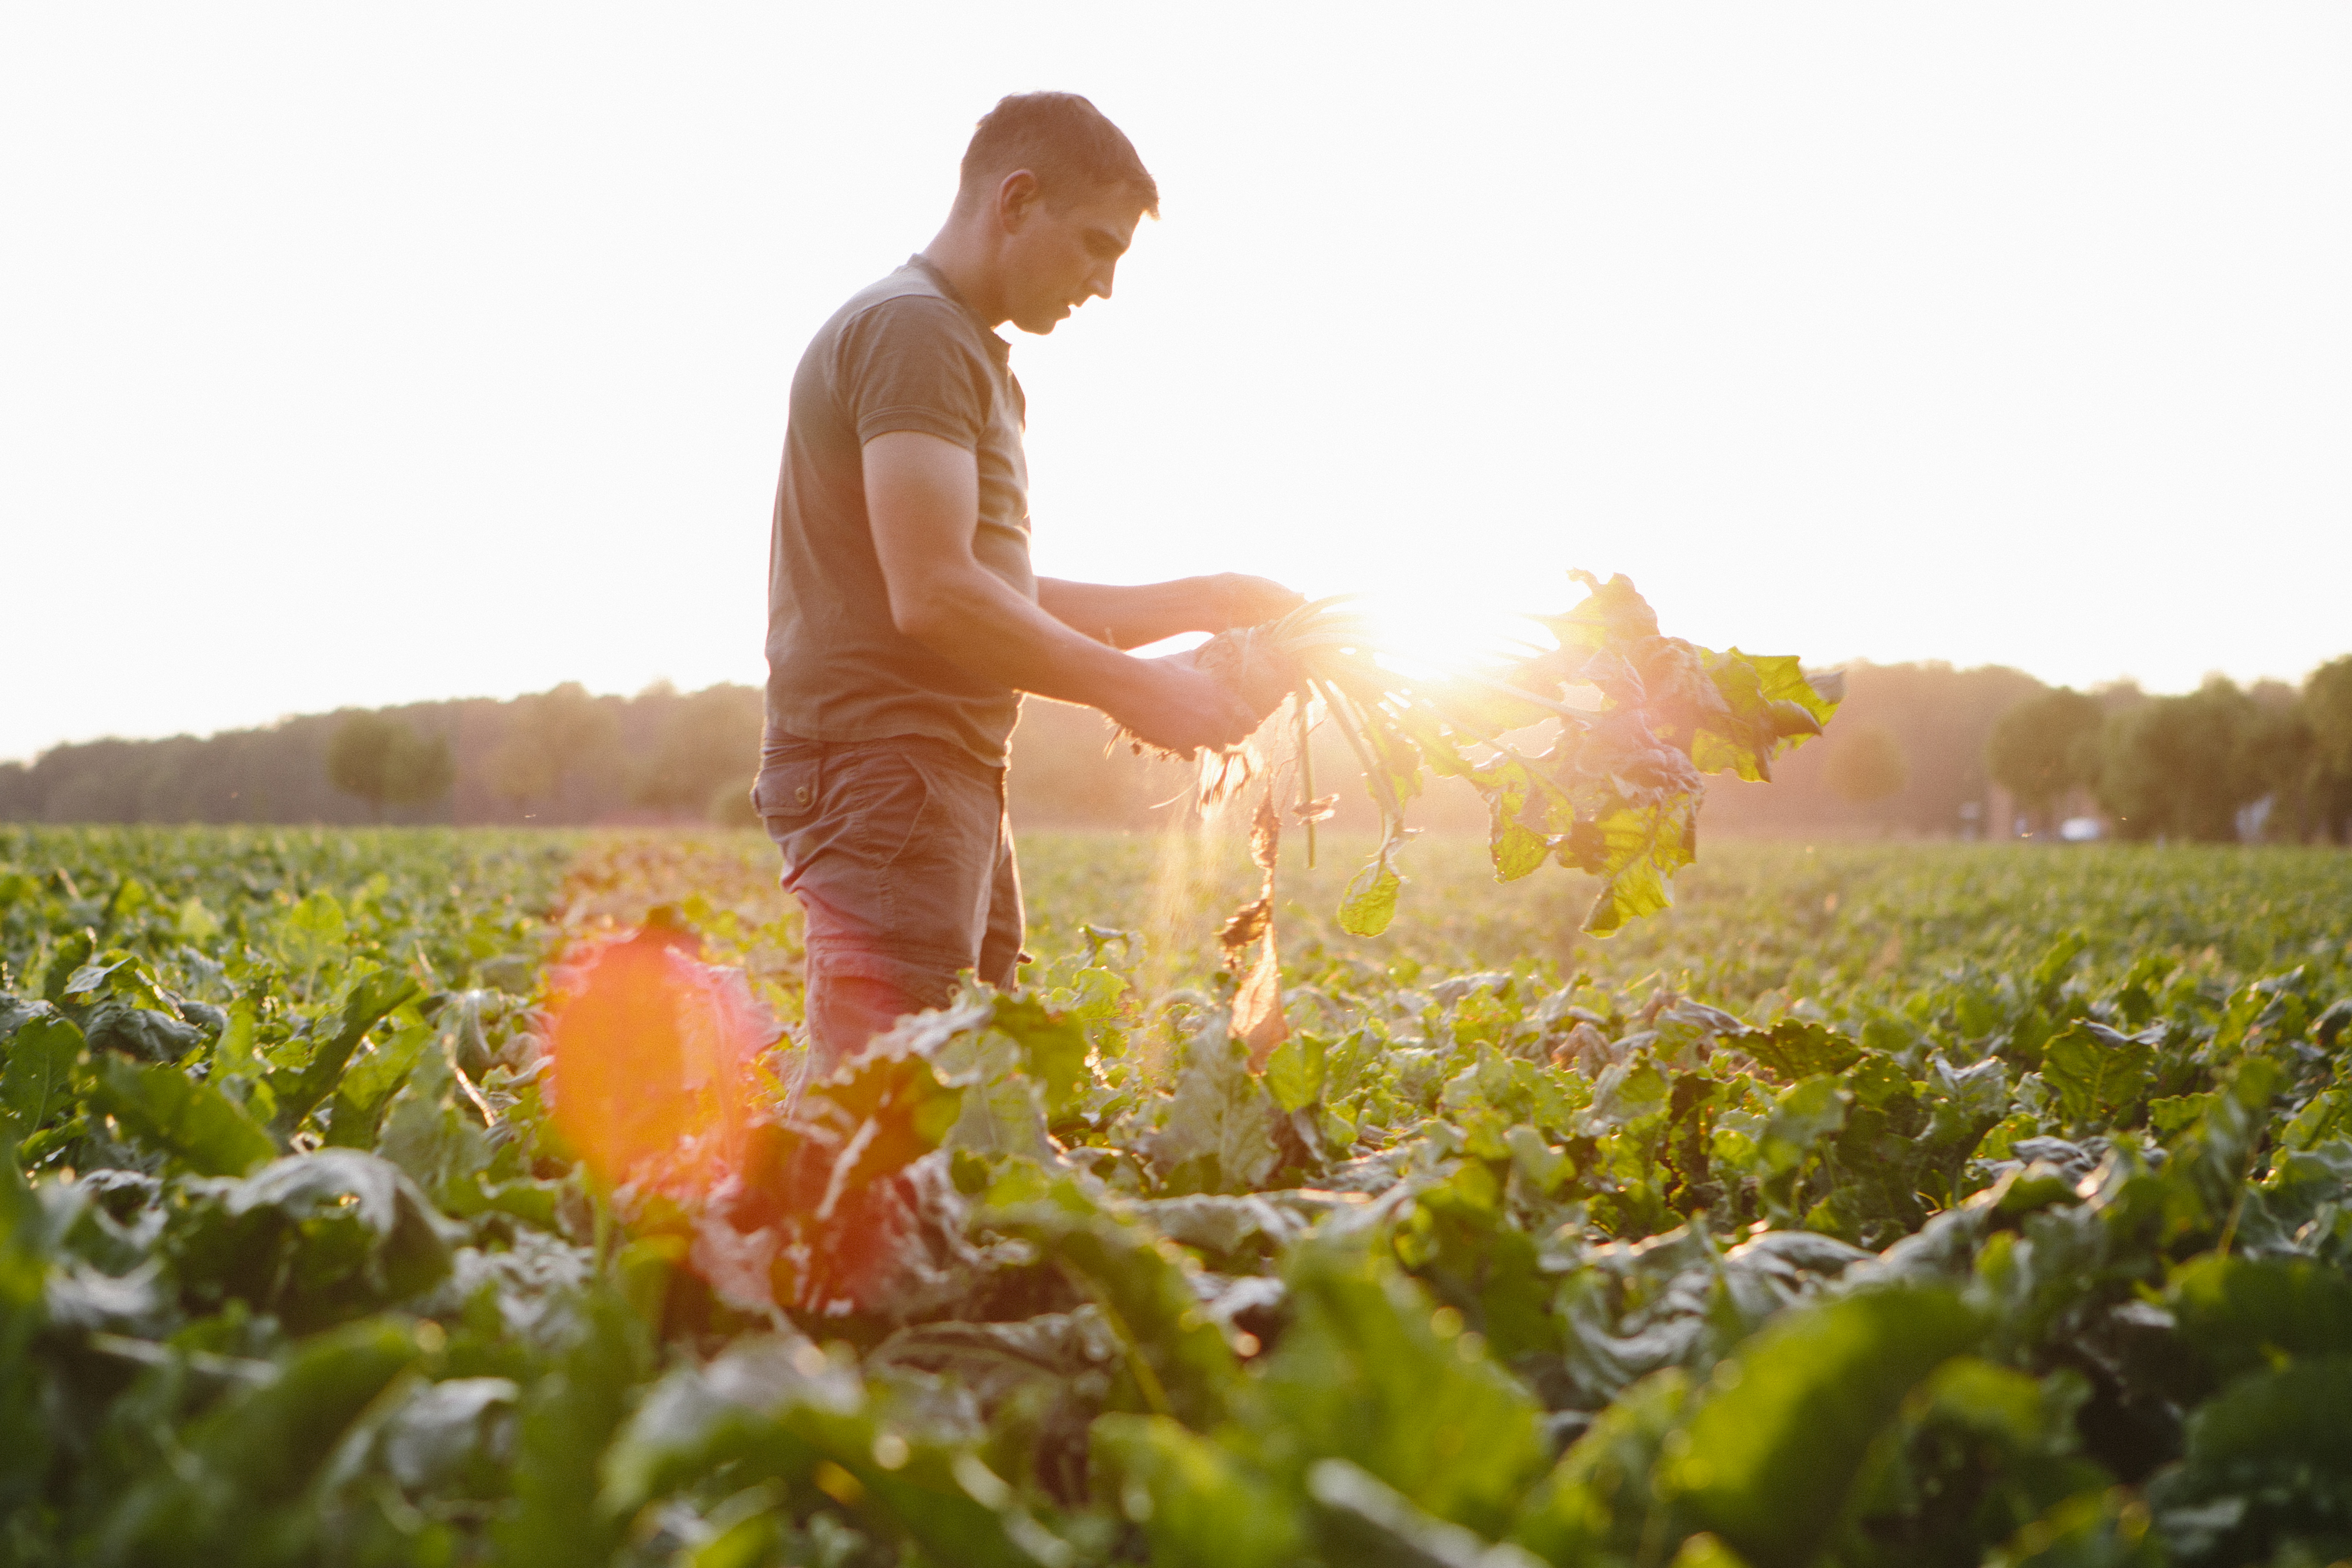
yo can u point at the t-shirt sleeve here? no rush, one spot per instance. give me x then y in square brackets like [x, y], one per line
[905, 366]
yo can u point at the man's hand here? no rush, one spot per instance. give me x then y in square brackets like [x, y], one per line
[1176, 708]
[1236, 600]
[923, 495]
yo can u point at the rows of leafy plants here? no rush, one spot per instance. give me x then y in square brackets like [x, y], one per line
[302, 1262]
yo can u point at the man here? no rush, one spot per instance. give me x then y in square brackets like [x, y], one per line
[904, 620]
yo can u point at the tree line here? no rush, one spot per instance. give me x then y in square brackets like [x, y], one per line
[2222, 762]
[1918, 750]
[561, 757]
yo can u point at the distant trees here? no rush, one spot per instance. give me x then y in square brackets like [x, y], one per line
[2170, 767]
[1866, 764]
[19, 797]
[1938, 717]
[2045, 748]
[708, 754]
[385, 762]
[2327, 709]
[2219, 763]
[1911, 751]
[551, 736]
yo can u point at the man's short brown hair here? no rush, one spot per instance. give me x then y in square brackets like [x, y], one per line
[1063, 140]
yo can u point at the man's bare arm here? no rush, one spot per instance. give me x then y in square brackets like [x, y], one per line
[1131, 616]
[922, 496]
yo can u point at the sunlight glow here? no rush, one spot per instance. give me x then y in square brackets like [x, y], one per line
[1448, 627]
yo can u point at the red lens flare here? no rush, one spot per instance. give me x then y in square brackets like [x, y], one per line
[654, 1063]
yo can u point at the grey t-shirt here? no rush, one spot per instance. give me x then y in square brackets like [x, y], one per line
[903, 354]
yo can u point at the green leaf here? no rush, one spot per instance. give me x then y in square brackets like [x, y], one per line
[193, 923]
[2327, 1116]
[2049, 973]
[373, 997]
[26, 1425]
[1197, 1502]
[891, 1107]
[317, 1236]
[234, 1492]
[1370, 903]
[1053, 1048]
[1597, 1504]
[568, 1417]
[1368, 1372]
[1294, 1072]
[775, 1407]
[1177, 1361]
[1797, 1048]
[311, 936]
[2098, 1073]
[1612, 614]
[2213, 1158]
[2240, 1315]
[1365, 1520]
[371, 1079]
[1458, 1240]
[165, 1109]
[1515, 847]
[1218, 1134]
[1784, 1426]
[703, 1416]
[429, 1130]
[1705, 1551]
[38, 1081]
[1801, 1117]
[1002, 1113]
[2265, 1458]
[1635, 849]
[2292, 1417]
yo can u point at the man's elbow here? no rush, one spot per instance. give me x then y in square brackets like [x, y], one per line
[926, 616]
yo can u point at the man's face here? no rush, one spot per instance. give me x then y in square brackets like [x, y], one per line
[1059, 258]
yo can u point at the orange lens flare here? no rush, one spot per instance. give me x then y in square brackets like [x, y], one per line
[654, 1058]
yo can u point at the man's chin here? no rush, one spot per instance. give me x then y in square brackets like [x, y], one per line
[1038, 326]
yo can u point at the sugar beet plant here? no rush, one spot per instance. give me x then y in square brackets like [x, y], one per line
[1615, 794]
[298, 1264]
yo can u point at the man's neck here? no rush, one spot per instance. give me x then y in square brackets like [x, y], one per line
[967, 262]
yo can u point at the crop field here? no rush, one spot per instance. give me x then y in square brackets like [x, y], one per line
[412, 1197]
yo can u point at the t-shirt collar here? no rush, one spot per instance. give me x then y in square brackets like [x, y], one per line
[930, 270]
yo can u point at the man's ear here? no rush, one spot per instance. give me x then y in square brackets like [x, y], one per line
[1018, 197]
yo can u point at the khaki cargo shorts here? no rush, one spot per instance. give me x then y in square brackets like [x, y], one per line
[899, 852]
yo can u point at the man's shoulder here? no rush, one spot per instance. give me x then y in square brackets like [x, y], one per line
[909, 293]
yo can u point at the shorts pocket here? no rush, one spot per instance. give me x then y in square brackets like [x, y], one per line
[787, 789]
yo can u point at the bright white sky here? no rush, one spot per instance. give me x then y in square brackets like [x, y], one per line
[353, 355]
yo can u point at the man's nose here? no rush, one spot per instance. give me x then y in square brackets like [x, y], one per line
[1099, 283]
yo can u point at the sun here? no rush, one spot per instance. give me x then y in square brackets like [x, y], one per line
[1447, 625]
